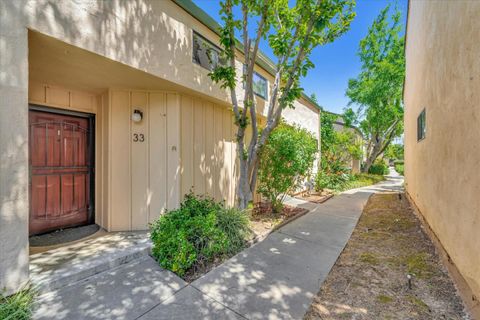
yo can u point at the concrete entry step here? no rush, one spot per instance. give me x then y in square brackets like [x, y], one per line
[59, 267]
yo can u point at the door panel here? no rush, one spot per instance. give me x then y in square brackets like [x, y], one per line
[60, 171]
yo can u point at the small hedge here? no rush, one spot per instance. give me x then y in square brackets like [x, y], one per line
[378, 167]
[197, 233]
[333, 181]
[343, 181]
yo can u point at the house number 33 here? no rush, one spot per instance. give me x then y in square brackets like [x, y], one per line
[138, 137]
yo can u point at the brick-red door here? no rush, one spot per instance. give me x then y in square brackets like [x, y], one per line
[60, 171]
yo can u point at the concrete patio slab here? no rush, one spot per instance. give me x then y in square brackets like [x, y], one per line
[126, 292]
[56, 268]
[191, 304]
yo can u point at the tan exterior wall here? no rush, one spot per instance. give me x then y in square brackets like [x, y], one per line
[188, 145]
[442, 77]
[208, 157]
[152, 36]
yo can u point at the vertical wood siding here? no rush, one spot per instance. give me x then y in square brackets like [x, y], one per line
[208, 150]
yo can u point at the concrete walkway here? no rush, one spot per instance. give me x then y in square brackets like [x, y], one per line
[274, 279]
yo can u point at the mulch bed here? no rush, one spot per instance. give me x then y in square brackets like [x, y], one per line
[263, 221]
[315, 197]
[370, 278]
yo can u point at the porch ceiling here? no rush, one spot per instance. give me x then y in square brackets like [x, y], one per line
[58, 63]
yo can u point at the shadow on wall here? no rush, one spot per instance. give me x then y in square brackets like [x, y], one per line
[136, 33]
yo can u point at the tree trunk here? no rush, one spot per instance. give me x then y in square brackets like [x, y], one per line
[377, 146]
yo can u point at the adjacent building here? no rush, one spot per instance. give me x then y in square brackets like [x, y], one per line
[340, 125]
[442, 127]
[108, 116]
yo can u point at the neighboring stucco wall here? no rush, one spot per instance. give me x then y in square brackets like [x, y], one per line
[442, 76]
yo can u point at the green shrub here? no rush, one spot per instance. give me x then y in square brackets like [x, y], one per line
[196, 233]
[285, 160]
[18, 306]
[399, 167]
[379, 167]
[341, 181]
[333, 181]
[363, 179]
[235, 224]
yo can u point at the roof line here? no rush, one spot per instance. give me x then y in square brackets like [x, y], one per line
[262, 59]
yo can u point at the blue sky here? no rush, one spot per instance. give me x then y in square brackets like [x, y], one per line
[335, 63]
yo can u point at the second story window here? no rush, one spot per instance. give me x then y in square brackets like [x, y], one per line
[421, 126]
[205, 53]
[260, 84]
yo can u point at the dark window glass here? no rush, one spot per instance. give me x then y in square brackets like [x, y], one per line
[260, 84]
[205, 53]
[421, 126]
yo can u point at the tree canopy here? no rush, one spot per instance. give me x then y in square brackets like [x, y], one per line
[377, 90]
[292, 30]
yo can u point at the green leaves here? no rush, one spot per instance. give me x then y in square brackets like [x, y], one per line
[196, 233]
[285, 161]
[338, 147]
[293, 30]
[377, 90]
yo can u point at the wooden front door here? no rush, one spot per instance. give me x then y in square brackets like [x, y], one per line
[61, 170]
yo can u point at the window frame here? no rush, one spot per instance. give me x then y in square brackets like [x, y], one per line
[261, 77]
[422, 125]
[211, 44]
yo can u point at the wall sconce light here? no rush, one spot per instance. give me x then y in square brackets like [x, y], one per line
[137, 115]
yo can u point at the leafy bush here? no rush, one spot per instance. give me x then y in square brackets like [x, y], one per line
[285, 160]
[341, 182]
[338, 147]
[363, 179]
[18, 306]
[196, 233]
[234, 223]
[379, 167]
[332, 181]
[399, 167]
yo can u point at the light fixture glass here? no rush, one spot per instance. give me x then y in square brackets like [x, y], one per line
[137, 115]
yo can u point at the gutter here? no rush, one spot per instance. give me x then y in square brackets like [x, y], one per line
[262, 59]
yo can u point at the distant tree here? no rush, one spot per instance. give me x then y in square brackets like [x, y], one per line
[293, 30]
[338, 147]
[377, 90]
[394, 151]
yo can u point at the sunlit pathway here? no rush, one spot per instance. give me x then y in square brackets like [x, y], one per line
[274, 279]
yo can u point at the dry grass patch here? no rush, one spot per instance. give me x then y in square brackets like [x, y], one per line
[369, 280]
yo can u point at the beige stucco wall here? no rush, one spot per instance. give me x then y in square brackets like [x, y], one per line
[152, 36]
[442, 76]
